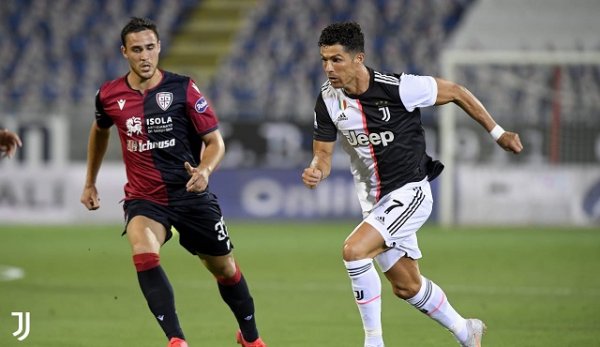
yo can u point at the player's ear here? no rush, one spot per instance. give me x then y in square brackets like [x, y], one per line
[123, 51]
[359, 58]
[158, 46]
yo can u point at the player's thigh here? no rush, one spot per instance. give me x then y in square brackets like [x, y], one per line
[147, 225]
[202, 229]
[398, 217]
[364, 242]
[145, 235]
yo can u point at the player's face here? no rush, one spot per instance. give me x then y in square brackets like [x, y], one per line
[141, 50]
[340, 66]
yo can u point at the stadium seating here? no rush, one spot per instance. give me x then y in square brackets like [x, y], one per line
[274, 71]
[55, 53]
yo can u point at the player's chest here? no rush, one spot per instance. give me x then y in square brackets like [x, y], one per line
[354, 114]
[138, 114]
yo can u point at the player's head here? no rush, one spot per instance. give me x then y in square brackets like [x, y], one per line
[141, 46]
[342, 47]
[347, 34]
[135, 25]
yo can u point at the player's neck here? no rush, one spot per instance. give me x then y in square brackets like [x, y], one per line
[360, 83]
[142, 84]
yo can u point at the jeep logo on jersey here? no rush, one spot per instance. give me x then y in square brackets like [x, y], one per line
[201, 105]
[164, 100]
[134, 126]
[361, 139]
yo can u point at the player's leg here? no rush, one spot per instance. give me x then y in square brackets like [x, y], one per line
[426, 296]
[146, 236]
[360, 247]
[413, 204]
[203, 232]
[236, 294]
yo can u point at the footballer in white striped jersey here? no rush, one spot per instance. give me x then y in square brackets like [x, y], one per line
[377, 117]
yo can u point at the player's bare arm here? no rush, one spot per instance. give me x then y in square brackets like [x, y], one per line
[452, 92]
[320, 166]
[97, 145]
[214, 150]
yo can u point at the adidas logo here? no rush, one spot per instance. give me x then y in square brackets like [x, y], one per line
[341, 117]
[380, 219]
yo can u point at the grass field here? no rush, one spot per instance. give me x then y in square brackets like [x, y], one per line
[533, 287]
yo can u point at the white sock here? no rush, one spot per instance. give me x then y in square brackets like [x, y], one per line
[366, 285]
[432, 301]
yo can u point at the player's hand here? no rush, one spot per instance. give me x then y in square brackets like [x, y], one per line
[9, 141]
[198, 179]
[311, 177]
[510, 142]
[89, 198]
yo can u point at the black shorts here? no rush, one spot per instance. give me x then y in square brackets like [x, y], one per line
[199, 223]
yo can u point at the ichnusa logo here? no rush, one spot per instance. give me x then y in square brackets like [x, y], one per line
[24, 325]
[143, 146]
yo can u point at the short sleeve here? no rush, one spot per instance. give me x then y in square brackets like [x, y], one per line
[201, 114]
[417, 91]
[324, 129]
[102, 119]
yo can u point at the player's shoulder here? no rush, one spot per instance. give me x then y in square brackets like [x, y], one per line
[386, 78]
[328, 91]
[173, 76]
[114, 86]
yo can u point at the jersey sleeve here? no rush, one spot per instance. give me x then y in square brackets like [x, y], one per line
[323, 128]
[417, 91]
[102, 119]
[201, 114]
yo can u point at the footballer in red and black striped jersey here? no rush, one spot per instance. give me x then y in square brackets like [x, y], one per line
[159, 130]
[171, 145]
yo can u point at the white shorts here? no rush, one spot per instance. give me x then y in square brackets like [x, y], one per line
[397, 217]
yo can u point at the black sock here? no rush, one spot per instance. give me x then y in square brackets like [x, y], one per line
[159, 295]
[238, 297]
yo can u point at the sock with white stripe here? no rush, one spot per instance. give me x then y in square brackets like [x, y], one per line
[366, 285]
[432, 301]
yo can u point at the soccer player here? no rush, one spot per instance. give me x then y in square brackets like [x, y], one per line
[378, 116]
[171, 144]
[9, 141]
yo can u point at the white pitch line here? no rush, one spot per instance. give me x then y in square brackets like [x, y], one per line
[10, 273]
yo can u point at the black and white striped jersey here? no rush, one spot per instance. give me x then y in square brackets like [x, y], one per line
[381, 131]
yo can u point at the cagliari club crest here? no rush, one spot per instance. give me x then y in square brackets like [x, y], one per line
[164, 100]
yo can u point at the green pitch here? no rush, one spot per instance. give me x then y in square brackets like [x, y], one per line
[533, 287]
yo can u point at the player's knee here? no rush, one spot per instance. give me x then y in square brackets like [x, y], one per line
[406, 290]
[221, 267]
[352, 251]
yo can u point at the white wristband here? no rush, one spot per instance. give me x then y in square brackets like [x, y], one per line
[497, 132]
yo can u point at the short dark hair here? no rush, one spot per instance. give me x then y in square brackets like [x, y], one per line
[137, 24]
[347, 34]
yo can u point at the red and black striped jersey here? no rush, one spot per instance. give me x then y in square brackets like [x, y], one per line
[381, 130]
[159, 130]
